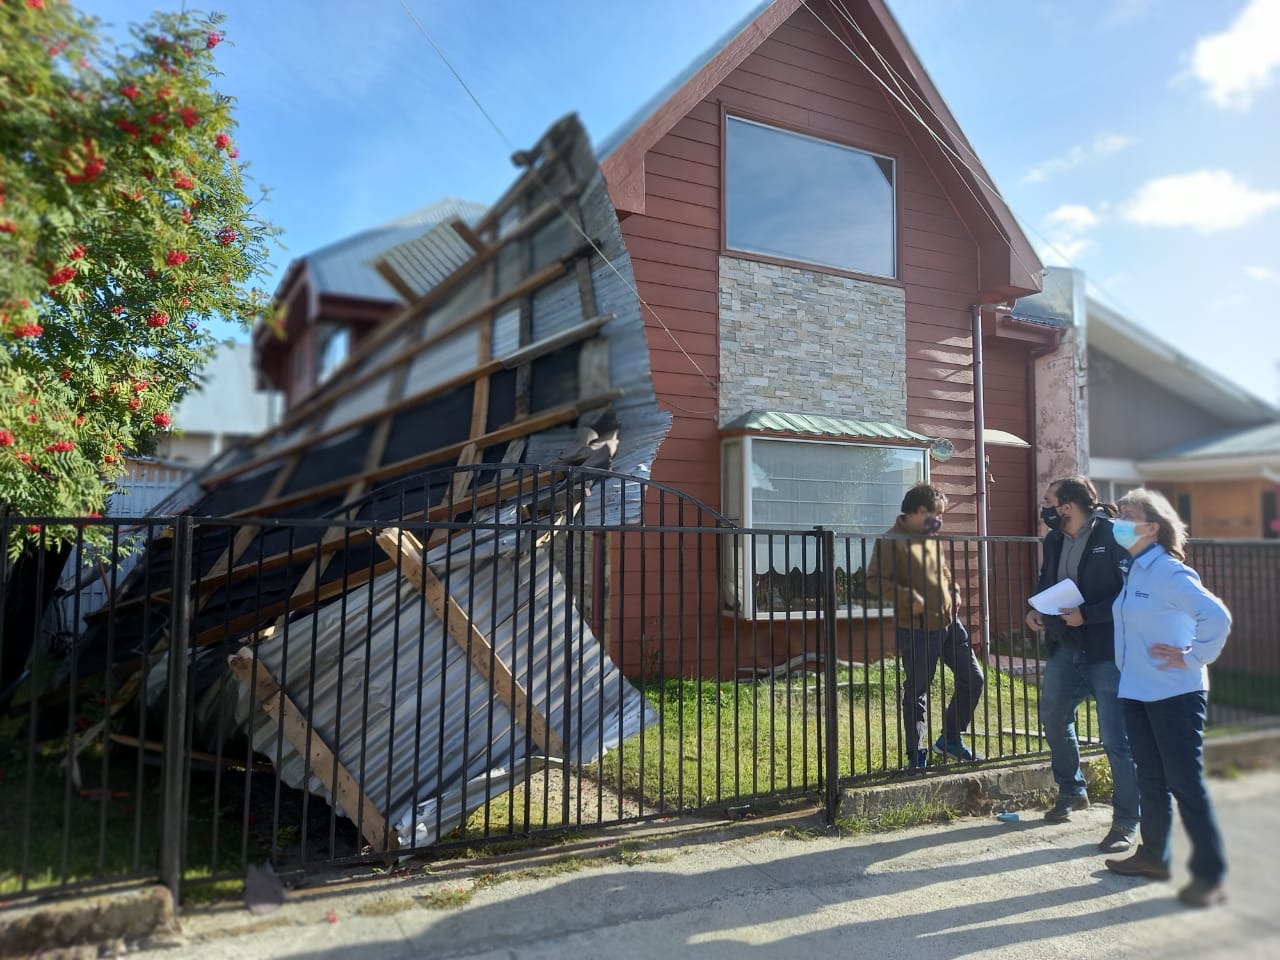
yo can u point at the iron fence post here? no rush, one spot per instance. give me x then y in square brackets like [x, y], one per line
[831, 737]
[173, 773]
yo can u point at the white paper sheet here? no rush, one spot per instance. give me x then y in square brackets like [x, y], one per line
[1055, 599]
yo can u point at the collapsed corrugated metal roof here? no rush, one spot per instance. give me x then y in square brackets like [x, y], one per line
[501, 365]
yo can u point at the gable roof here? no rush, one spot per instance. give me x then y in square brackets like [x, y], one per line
[1008, 263]
[1140, 349]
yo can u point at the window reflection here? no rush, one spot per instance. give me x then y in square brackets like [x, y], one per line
[797, 197]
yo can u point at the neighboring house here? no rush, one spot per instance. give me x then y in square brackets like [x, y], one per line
[815, 255]
[226, 408]
[334, 296]
[1160, 418]
[1150, 415]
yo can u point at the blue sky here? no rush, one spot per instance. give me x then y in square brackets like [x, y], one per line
[1137, 137]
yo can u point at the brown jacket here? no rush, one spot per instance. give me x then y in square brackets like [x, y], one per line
[897, 568]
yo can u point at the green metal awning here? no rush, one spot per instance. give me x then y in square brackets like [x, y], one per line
[819, 425]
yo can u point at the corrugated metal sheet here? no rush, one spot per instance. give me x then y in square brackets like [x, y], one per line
[345, 267]
[414, 715]
[426, 260]
[819, 425]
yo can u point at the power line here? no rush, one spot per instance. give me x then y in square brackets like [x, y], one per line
[908, 89]
[546, 189]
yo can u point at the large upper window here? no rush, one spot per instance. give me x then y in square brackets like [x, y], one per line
[793, 485]
[796, 197]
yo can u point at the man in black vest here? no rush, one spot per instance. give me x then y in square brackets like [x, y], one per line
[1081, 653]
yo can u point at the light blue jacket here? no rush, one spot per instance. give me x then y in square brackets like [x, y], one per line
[1163, 601]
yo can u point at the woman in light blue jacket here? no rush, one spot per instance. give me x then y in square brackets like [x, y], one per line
[1168, 629]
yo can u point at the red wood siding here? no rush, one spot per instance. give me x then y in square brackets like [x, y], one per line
[799, 78]
[1006, 407]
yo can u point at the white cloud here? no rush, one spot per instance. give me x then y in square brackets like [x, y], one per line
[1240, 62]
[1103, 145]
[1262, 274]
[1205, 200]
[1067, 231]
[1072, 217]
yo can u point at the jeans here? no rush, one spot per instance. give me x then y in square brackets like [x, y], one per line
[1068, 679]
[919, 651]
[1167, 739]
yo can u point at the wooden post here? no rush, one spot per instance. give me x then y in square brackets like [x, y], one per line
[465, 634]
[274, 702]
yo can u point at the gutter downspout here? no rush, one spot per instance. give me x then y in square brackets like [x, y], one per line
[980, 458]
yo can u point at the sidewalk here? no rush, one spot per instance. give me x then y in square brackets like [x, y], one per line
[973, 888]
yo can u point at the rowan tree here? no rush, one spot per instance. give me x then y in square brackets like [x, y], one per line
[125, 228]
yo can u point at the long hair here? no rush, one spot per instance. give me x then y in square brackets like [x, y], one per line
[1081, 491]
[1156, 509]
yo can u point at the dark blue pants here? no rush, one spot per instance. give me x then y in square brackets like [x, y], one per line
[1166, 738]
[920, 651]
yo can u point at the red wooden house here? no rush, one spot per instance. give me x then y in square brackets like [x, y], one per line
[816, 244]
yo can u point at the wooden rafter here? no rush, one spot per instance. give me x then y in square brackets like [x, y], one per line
[485, 660]
[548, 418]
[296, 726]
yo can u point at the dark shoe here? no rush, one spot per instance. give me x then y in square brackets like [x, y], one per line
[955, 749]
[1061, 811]
[1117, 840]
[919, 761]
[1139, 865]
[1202, 893]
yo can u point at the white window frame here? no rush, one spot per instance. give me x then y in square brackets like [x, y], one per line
[740, 596]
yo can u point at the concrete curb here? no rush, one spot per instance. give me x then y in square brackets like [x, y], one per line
[78, 927]
[57, 929]
[979, 791]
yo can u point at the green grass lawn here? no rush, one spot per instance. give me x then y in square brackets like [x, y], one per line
[717, 744]
[107, 829]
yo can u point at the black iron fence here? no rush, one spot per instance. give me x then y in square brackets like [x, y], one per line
[409, 677]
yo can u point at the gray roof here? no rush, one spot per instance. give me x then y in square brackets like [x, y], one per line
[346, 267]
[1140, 349]
[650, 106]
[1252, 442]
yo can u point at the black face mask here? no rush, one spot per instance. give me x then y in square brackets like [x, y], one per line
[1050, 517]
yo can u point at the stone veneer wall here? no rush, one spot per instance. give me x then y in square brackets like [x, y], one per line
[799, 341]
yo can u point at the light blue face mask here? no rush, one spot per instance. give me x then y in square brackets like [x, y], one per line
[1125, 532]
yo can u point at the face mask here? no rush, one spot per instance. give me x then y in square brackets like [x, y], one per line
[1050, 517]
[1125, 532]
[932, 525]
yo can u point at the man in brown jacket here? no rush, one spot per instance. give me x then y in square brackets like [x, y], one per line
[911, 572]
